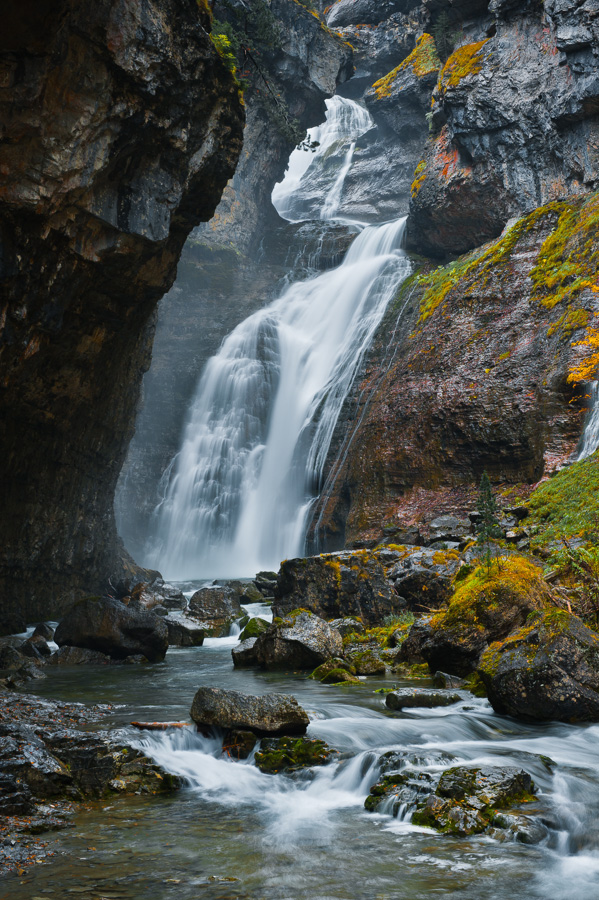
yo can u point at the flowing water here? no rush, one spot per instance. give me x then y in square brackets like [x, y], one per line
[239, 492]
[234, 832]
[590, 435]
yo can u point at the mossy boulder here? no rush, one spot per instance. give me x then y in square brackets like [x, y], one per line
[466, 799]
[254, 628]
[335, 671]
[366, 662]
[549, 669]
[489, 604]
[288, 754]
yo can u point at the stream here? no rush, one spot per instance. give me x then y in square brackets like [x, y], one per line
[234, 833]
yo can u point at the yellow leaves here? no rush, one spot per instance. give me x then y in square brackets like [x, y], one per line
[587, 368]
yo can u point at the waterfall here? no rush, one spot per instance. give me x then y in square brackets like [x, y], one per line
[261, 422]
[590, 435]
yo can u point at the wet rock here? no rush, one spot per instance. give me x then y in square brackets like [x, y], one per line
[244, 655]
[251, 594]
[398, 791]
[466, 799]
[254, 628]
[336, 585]
[449, 528]
[335, 671]
[238, 744]
[288, 754]
[443, 680]
[78, 656]
[548, 670]
[16, 798]
[299, 641]
[30, 671]
[10, 657]
[183, 632]
[216, 607]
[151, 595]
[411, 698]
[270, 714]
[266, 583]
[35, 646]
[420, 588]
[111, 627]
[366, 662]
[44, 630]
[26, 758]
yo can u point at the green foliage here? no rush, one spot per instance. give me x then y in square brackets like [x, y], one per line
[445, 37]
[567, 505]
[488, 525]
[404, 618]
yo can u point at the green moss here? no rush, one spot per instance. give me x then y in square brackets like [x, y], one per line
[254, 628]
[484, 592]
[422, 60]
[567, 505]
[419, 178]
[289, 754]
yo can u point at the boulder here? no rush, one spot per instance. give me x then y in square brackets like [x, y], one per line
[78, 656]
[487, 606]
[111, 627]
[184, 632]
[411, 698]
[336, 585]
[44, 630]
[366, 661]
[335, 671]
[347, 625]
[216, 607]
[288, 754]
[36, 646]
[548, 670]
[450, 528]
[254, 628]
[299, 641]
[244, 655]
[466, 799]
[271, 714]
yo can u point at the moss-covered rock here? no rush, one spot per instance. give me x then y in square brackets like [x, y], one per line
[254, 628]
[489, 604]
[366, 662]
[335, 671]
[549, 669]
[290, 754]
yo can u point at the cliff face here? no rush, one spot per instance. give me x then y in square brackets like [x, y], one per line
[234, 264]
[476, 367]
[121, 126]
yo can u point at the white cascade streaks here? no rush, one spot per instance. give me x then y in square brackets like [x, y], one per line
[590, 435]
[259, 429]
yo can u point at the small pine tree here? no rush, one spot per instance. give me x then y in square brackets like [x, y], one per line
[488, 524]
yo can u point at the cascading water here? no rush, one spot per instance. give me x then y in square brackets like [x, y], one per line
[590, 435]
[261, 422]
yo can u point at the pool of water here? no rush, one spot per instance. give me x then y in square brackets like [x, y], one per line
[234, 832]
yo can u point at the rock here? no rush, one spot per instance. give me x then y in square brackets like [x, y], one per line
[271, 714]
[10, 657]
[391, 793]
[421, 588]
[336, 585]
[449, 528]
[174, 135]
[348, 625]
[244, 655]
[238, 744]
[266, 583]
[155, 594]
[366, 662]
[299, 641]
[443, 680]
[78, 656]
[335, 671]
[111, 627]
[254, 628]
[39, 645]
[216, 607]
[466, 799]
[411, 698]
[251, 594]
[16, 798]
[183, 632]
[44, 630]
[30, 671]
[548, 670]
[485, 607]
[288, 754]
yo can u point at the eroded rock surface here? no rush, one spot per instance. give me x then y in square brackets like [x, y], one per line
[121, 131]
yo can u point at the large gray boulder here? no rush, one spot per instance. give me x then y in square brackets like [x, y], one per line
[183, 632]
[111, 627]
[299, 641]
[270, 714]
[216, 607]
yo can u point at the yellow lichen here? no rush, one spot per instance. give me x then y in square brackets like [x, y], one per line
[464, 61]
[422, 60]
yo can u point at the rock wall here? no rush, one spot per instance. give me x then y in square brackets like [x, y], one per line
[476, 367]
[121, 127]
[234, 264]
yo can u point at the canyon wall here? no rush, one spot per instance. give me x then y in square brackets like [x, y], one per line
[120, 128]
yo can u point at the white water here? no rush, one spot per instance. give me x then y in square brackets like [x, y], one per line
[345, 122]
[239, 492]
[590, 435]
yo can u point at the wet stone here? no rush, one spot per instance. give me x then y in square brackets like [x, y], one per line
[410, 698]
